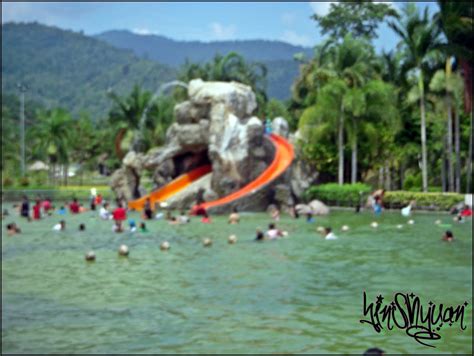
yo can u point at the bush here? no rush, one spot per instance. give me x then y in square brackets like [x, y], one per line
[431, 201]
[346, 194]
[24, 181]
[7, 182]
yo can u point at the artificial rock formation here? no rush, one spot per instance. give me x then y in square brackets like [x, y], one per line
[214, 126]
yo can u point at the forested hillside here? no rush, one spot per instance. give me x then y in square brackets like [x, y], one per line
[69, 69]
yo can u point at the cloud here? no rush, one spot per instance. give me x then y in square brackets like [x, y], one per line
[222, 32]
[296, 39]
[144, 31]
[288, 18]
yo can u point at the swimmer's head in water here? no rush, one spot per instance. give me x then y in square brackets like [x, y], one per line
[271, 226]
[327, 230]
[82, 227]
[448, 235]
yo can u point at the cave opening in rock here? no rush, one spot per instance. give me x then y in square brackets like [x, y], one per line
[188, 161]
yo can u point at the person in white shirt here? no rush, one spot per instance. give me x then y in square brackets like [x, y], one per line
[104, 213]
[273, 233]
[328, 234]
[60, 227]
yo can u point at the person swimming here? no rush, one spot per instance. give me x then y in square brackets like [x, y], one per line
[234, 217]
[60, 227]
[143, 227]
[259, 236]
[132, 225]
[62, 211]
[273, 233]
[12, 229]
[310, 218]
[82, 227]
[328, 234]
[448, 236]
[183, 218]
[173, 221]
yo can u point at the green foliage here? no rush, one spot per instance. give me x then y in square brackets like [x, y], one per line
[361, 18]
[7, 182]
[341, 194]
[441, 201]
[71, 70]
[24, 181]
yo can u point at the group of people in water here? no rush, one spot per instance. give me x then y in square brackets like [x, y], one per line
[45, 207]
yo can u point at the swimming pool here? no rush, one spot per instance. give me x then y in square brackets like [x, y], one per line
[300, 294]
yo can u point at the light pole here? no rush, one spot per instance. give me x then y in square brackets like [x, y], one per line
[23, 88]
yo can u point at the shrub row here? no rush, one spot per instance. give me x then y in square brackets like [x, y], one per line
[352, 194]
[333, 193]
[428, 201]
[58, 194]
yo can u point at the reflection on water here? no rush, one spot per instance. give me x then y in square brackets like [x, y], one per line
[297, 295]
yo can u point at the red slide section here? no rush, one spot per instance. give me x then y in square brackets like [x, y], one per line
[171, 188]
[284, 155]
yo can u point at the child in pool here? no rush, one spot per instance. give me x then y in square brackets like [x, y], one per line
[143, 227]
[234, 217]
[448, 236]
[12, 229]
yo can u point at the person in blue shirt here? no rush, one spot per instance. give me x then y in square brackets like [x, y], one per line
[62, 211]
[268, 126]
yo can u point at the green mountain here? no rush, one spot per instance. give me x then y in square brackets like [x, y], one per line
[174, 53]
[276, 55]
[69, 69]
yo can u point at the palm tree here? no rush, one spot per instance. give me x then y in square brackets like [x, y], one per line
[349, 62]
[419, 40]
[448, 86]
[126, 114]
[370, 107]
[455, 20]
[53, 132]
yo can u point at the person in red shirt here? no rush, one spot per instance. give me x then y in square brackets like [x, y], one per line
[98, 199]
[466, 211]
[74, 206]
[47, 205]
[119, 215]
[37, 210]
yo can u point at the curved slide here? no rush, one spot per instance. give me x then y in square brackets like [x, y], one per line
[284, 155]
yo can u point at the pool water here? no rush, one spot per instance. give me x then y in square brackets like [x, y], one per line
[301, 294]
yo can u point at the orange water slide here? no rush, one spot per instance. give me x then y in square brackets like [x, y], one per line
[284, 155]
[171, 188]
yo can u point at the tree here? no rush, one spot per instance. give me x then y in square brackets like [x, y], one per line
[449, 86]
[419, 40]
[360, 18]
[231, 67]
[455, 19]
[53, 133]
[126, 114]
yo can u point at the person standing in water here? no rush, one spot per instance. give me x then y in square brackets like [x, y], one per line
[234, 217]
[119, 215]
[147, 211]
[25, 207]
[37, 210]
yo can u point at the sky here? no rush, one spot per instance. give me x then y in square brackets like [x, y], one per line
[204, 21]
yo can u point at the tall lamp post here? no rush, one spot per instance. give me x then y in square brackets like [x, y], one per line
[23, 88]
